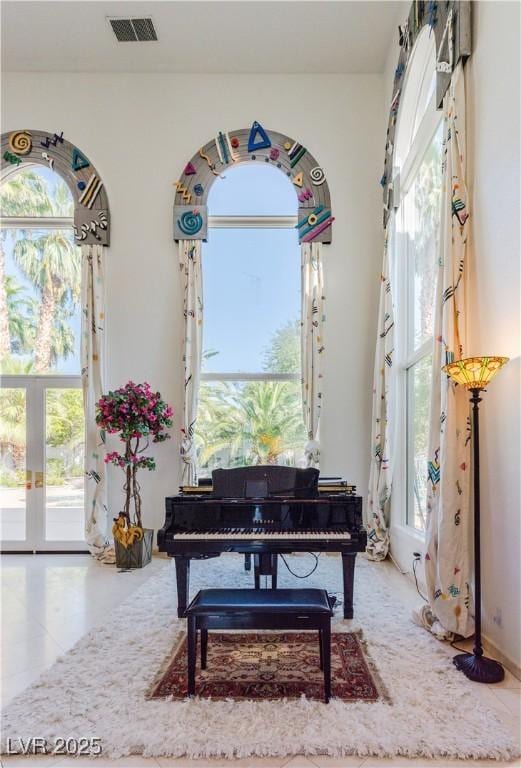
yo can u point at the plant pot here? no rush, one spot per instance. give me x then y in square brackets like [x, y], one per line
[138, 554]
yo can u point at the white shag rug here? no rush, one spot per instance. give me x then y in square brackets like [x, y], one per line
[98, 688]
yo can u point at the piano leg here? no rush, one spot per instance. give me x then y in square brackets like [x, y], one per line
[348, 569]
[182, 573]
[274, 571]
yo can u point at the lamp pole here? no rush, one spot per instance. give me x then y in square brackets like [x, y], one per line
[474, 665]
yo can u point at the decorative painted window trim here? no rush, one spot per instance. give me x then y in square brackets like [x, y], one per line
[21, 149]
[450, 22]
[249, 145]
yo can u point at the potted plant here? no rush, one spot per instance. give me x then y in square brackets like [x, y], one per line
[140, 416]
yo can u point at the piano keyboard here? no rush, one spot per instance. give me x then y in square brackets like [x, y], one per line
[251, 533]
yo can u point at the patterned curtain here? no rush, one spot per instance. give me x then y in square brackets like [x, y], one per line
[92, 346]
[312, 345]
[448, 554]
[380, 475]
[192, 283]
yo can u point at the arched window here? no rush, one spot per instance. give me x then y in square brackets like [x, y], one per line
[417, 185]
[250, 405]
[419, 92]
[42, 419]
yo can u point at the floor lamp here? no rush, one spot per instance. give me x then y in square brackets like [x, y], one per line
[474, 373]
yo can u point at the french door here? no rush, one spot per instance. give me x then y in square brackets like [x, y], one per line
[42, 479]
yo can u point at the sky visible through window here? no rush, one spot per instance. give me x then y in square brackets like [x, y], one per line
[253, 189]
[251, 290]
[251, 277]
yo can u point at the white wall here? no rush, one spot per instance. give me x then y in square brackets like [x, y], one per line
[493, 137]
[139, 130]
[493, 87]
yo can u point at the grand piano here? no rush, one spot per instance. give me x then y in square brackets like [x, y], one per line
[263, 511]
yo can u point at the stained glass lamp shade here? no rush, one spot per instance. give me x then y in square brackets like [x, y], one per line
[475, 372]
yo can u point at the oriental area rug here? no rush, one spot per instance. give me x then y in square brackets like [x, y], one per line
[274, 665]
[101, 687]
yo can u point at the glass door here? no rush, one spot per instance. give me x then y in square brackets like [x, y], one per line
[42, 476]
[15, 479]
[63, 480]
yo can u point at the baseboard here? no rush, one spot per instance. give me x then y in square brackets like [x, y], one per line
[492, 650]
[44, 552]
[161, 555]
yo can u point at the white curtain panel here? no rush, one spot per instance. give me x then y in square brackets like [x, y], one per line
[312, 345]
[448, 553]
[192, 287]
[380, 471]
[92, 348]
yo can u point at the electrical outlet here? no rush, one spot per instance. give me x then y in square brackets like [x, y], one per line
[417, 555]
[497, 618]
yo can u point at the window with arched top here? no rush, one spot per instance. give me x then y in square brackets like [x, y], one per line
[250, 404]
[414, 240]
[41, 406]
[419, 94]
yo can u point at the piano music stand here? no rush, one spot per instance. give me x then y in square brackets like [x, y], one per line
[256, 489]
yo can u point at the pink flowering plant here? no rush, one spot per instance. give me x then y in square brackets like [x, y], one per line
[140, 416]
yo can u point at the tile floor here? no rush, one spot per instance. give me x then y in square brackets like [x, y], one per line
[50, 601]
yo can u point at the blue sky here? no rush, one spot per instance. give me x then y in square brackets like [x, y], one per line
[254, 189]
[251, 277]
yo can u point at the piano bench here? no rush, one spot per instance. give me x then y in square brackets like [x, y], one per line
[295, 609]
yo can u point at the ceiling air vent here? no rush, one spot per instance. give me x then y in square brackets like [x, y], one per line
[132, 30]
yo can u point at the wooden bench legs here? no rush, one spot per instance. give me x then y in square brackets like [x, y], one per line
[325, 646]
[192, 653]
[204, 647]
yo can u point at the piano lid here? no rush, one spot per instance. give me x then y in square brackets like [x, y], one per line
[265, 481]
